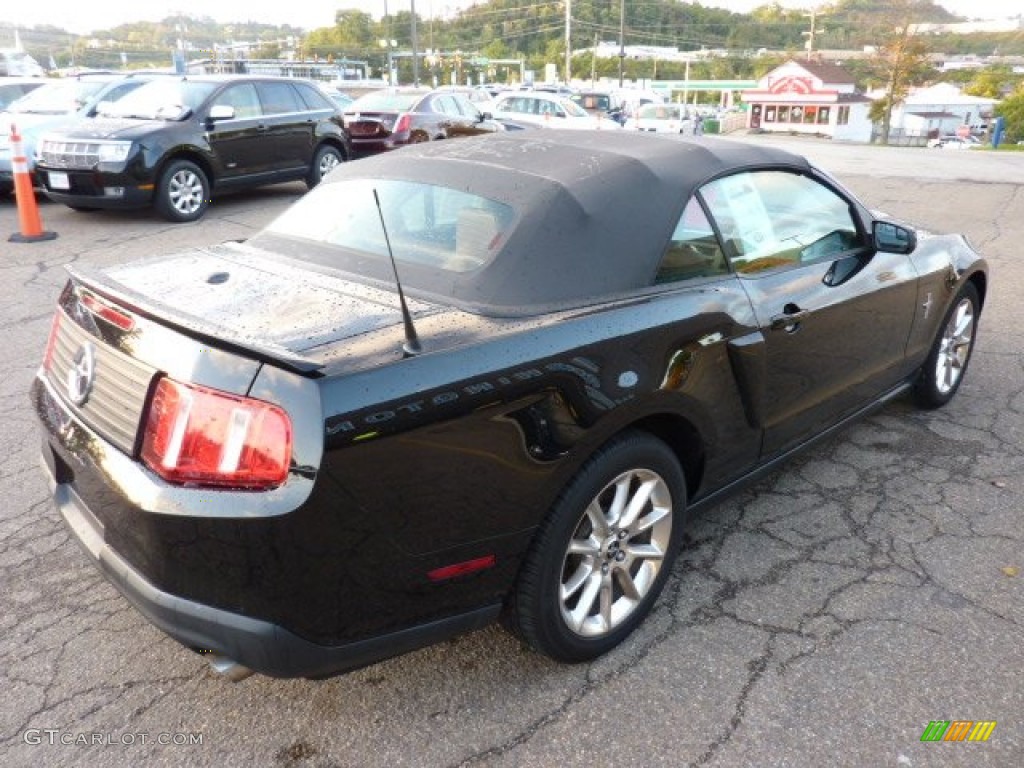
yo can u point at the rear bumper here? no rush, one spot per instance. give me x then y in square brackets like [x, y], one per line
[259, 645]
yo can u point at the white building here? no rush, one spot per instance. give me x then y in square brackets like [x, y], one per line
[811, 98]
[941, 109]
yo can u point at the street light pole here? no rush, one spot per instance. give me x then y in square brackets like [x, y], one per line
[415, 46]
[622, 37]
[568, 42]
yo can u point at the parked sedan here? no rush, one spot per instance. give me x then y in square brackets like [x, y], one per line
[175, 143]
[295, 466]
[548, 110]
[392, 118]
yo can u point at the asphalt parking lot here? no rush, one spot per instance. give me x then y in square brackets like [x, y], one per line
[824, 617]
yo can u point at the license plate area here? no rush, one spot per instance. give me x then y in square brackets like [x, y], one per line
[59, 180]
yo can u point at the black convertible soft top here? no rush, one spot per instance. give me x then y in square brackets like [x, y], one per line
[595, 208]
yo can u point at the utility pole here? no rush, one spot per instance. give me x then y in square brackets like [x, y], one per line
[622, 34]
[415, 46]
[813, 16]
[568, 41]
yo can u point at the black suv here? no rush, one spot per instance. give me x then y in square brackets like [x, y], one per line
[173, 143]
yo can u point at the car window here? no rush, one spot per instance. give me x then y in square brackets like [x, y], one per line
[117, 91]
[428, 225]
[314, 99]
[693, 250]
[445, 104]
[278, 98]
[385, 101]
[513, 104]
[59, 97]
[242, 98]
[162, 99]
[775, 219]
[466, 107]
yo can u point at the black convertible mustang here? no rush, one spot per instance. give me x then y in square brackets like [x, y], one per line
[477, 379]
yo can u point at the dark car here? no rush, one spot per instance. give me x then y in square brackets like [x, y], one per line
[287, 462]
[383, 120]
[175, 143]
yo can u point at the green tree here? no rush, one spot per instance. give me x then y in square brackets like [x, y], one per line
[902, 61]
[991, 82]
[1011, 109]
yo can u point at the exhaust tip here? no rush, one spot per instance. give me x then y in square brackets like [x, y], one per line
[229, 668]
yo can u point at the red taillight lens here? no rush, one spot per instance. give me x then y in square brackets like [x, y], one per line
[200, 436]
[403, 124]
[111, 314]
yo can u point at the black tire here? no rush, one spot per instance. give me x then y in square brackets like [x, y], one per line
[183, 192]
[326, 159]
[946, 365]
[572, 600]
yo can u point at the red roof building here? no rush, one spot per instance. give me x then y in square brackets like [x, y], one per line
[811, 98]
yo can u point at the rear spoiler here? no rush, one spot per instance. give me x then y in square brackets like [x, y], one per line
[195, 327]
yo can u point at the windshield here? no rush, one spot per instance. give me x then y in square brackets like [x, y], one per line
[59, 98]
[593, 101]
[428, 225]
[385, 101]
[572, 108]
[161, 100]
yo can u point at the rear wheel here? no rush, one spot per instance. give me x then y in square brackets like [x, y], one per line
[183, 192]
[946, 365]
[327, 158]
[602, 556]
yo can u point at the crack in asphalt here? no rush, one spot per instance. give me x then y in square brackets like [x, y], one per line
[882, 557]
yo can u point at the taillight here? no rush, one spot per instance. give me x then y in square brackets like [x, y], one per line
[111, 314]
[403, 124]
[200, 436]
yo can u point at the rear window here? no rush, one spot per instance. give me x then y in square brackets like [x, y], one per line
[385, 101]
[430, 226]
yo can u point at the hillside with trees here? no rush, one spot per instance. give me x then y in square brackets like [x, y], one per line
[530, 29]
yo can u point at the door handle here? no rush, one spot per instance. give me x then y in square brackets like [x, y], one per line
[789, 320]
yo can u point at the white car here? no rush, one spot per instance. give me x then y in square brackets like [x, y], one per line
[547, 110]
[952, 142]
[662, 118]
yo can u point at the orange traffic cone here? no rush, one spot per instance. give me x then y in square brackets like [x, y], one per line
[28, 212]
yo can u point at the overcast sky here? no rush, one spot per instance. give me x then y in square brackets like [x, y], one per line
[82, 16]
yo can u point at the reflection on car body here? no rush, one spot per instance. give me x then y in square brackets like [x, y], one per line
[245, 440]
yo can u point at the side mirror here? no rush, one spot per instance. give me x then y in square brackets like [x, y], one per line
[221, 112]
[892, 238]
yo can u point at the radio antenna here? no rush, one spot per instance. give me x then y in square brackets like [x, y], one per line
[411, 346]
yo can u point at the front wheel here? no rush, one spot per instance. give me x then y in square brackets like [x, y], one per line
[327, 158]
[602, 556]
[951, 352]
[183, 192]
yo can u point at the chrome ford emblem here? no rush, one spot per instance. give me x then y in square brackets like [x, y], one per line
[81, 374]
